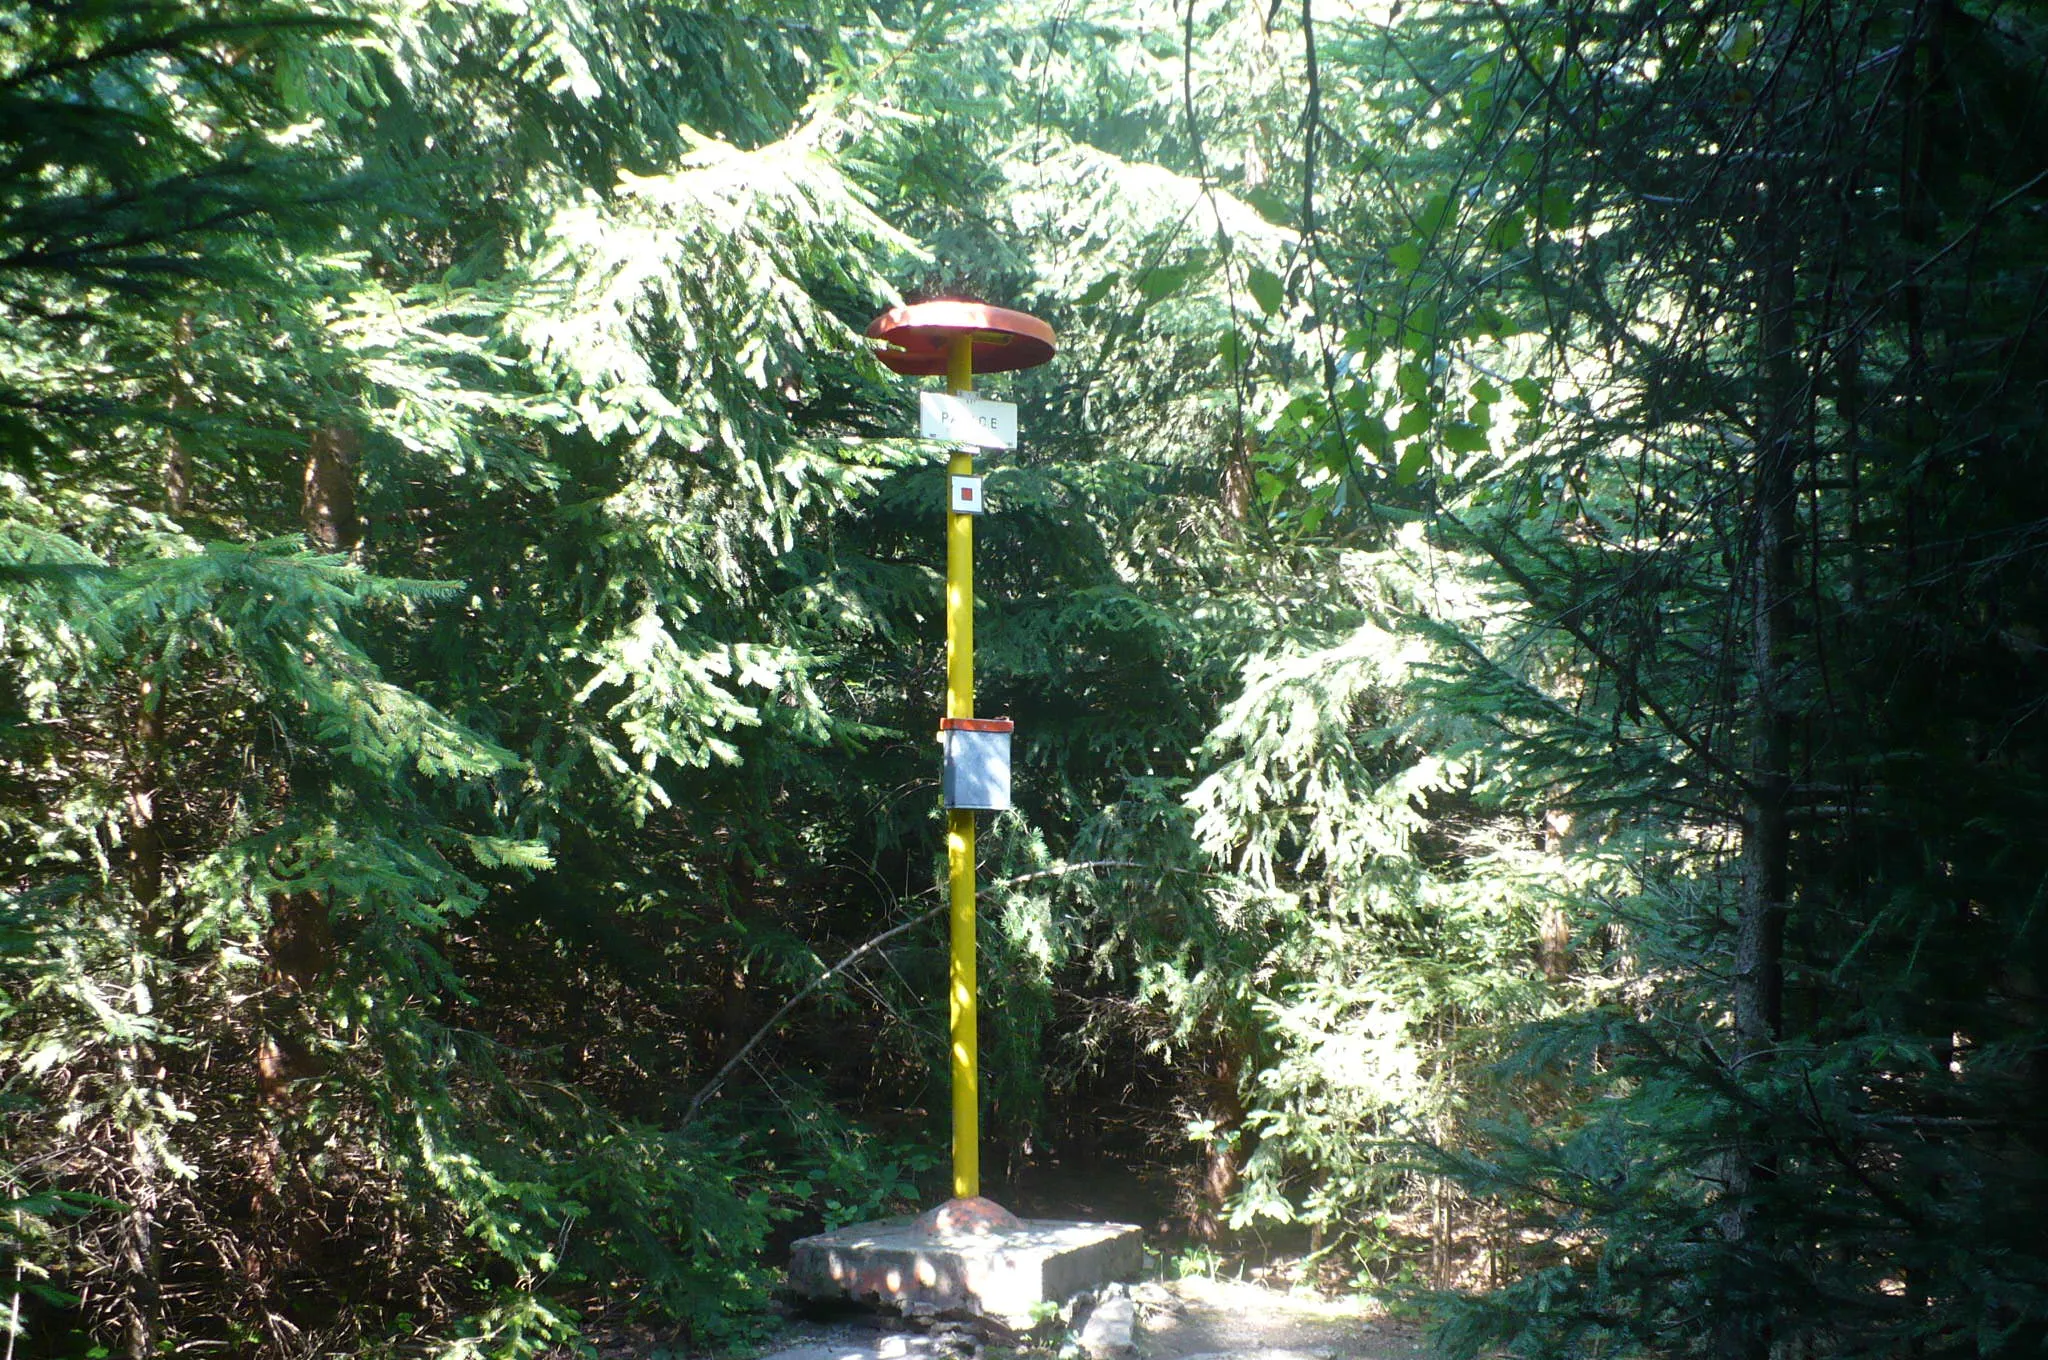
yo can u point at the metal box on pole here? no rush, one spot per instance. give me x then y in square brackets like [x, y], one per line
[977, 772]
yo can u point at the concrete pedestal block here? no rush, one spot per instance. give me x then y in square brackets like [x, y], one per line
[971, 1262]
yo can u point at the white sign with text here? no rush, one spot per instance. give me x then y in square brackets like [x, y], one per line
[967, 420]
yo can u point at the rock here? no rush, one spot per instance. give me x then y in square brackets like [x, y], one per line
[1107, 1335]
[1156, 1304]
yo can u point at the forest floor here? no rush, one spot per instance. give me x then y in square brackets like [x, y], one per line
[1208, 1316]
[1197, 1317]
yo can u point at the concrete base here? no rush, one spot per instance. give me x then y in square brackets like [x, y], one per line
[990, 1264]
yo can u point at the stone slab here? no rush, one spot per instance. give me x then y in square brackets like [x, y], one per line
[1003, 1272]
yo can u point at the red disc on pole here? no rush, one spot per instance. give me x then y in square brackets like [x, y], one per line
[915, 338]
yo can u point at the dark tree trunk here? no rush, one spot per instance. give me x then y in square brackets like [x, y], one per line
[328, 504]
[1222, 1104]
[138, 1252]
[1553, 927]
[1745, 1330]
[1236, 479]
[177, 463]
[299, 949]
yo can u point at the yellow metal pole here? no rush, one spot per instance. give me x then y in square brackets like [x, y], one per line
[960, 821]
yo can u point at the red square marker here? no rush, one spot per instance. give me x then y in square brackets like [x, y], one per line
[966, 498]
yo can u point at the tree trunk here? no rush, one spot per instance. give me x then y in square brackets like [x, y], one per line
[139, 1263]
[145, 774]
[299, 945]
[1236, 479]
[1222, 1105]
[1553, 927]
[298, 955]
[138, 1253]
[328, 503]
[1759, 967]
[1745, 1330]
[177, 463]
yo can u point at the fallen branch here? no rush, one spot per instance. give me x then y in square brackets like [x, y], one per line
[860, 952]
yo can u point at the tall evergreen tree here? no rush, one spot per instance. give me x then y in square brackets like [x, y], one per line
[464, 297]
[1747, 311]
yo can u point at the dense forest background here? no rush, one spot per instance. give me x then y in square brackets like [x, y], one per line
[1524, 597]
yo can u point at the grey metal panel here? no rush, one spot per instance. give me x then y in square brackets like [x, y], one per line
[977, 770]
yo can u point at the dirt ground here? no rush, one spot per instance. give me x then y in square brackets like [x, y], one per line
[1204, 1317]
